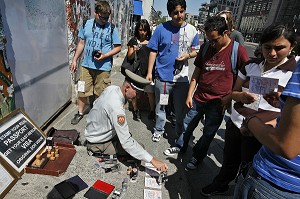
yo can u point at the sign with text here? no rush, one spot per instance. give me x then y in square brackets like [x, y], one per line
[263, 85]
[20, 140]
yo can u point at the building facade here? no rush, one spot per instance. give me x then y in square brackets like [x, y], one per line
[258, 14]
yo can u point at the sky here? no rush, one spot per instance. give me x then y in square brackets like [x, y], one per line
[192, 6]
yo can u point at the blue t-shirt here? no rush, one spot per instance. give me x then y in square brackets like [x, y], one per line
[171, 42]
[276, 169]
[98, 38]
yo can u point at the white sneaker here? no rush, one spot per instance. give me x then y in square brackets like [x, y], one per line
[172, 151]
[156, 137]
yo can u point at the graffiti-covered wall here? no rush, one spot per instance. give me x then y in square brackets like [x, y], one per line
[7, 101]
[37, 54]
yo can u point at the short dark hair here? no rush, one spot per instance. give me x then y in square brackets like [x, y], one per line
[275, 31]
[171, 5]
[216, 23]
[102, 7]
[143, 23]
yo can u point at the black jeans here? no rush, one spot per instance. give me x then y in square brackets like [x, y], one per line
[237, 149]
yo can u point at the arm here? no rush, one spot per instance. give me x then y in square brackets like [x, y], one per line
[285, 139]
[193, 84]
[152, 57]
[187, 56]
[78, 52]
[238, 95]
[132, 48]
[130, 52]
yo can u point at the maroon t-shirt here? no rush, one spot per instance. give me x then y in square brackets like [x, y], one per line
[216, 76]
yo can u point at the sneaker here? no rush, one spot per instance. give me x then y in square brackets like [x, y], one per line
[137, 115]
[156, 137]
[77, 117]
[192, 165]
[172, 151]
[214, 189]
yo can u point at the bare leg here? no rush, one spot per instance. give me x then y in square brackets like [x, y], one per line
[81, 104]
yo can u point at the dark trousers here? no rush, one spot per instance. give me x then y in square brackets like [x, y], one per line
[237, 149]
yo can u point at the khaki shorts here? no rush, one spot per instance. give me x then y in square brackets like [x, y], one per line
[95, 81]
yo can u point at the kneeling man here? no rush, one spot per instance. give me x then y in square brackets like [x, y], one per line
[107, 129]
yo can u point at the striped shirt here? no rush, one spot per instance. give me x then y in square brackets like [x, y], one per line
[274, 168]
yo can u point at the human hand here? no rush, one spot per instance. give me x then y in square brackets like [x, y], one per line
[245, 131]
[273, 99]
[189, 102]
[183, 57]
[149, 77]
[244, 127]
[159, 165]
[226, 102]
[100, 56]
[247, 98]
[73, 66]
[136, 47]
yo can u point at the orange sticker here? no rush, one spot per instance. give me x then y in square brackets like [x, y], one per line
[121, 120]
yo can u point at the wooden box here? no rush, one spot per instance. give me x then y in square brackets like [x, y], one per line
[56, 167]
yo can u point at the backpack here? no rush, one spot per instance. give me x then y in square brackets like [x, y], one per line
[234, 55]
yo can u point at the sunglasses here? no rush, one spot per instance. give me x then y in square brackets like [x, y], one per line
[103, 18]
[214, 40]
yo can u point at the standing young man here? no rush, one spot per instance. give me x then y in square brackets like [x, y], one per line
[172, 44]
[99, 41]
[214, 76]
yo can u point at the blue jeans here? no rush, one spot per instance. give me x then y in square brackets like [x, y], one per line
[254, 186]
[180, 90]
[213, 112]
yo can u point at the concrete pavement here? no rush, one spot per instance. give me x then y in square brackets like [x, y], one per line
[181, 183]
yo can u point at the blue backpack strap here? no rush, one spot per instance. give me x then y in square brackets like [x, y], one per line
[205, 49]
[234, 56]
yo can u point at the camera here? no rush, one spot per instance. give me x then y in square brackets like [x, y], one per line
[96, 53]
[178, 67]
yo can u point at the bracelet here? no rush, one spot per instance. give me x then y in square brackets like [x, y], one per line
[246, 121]
[190, 56]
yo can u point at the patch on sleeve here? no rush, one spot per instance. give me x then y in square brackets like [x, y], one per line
[121, 120]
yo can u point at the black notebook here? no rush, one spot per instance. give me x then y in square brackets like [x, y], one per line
[70, 187]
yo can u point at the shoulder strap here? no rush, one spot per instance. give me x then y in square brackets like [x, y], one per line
[112, 26]
[234, 56]
[205, 49]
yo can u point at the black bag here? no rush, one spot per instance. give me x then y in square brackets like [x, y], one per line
[132, 65]
[64, 136]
